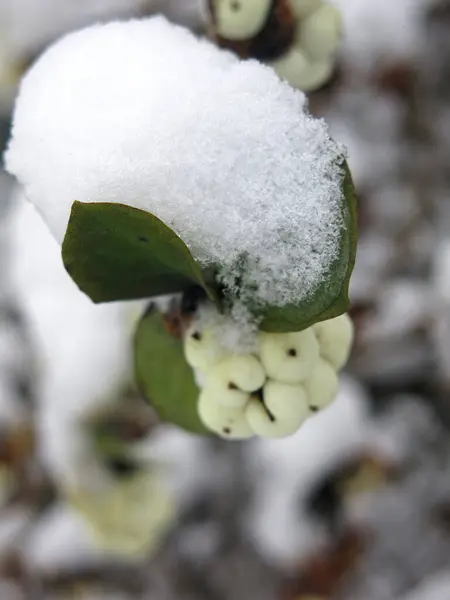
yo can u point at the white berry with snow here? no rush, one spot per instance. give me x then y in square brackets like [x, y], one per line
[201, 348]
[286, 401]
[240, 20]
[322, 386]
[335, 338]
[264, 424]
[289, 357]
[227, 422]
[99, 119]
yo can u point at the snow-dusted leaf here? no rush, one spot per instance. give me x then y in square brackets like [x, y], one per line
[330, 299]
[116, 252]
[163, 375]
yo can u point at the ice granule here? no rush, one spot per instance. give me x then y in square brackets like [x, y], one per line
[236, 332]
[144, 113]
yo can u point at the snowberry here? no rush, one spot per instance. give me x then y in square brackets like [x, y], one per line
[335, 338]
[264, 424]
[285, 401]
[289, 357]
[129, 516]
[227, 422]
[320, 33]
[240, 19]
[303, 8]
[296, 68]
[322, 385]
[201, 348]
[233, 376]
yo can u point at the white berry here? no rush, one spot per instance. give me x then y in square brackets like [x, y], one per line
[303, 8]
[240, 19]
[335, 338]
[286, 401]
[302, 72]
[233, 377]
[265, 425]
[322, 386]
[128, 517]
[201, 348]
[320, 33]
[289, 357]
[226, 421]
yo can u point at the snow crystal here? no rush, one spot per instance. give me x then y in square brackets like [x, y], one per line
[144, 113]
[236, 332]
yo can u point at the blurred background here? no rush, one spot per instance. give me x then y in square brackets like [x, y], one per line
[356, 506]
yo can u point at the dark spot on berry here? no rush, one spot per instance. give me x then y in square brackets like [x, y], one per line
[232, 386]
[235, 6]
[143, 239]
[227, 430]
[314, 408]
[197, 336]
[121, 467]
[292, 352]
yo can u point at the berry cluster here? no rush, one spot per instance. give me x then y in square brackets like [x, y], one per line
[297, 38]
[271, 392]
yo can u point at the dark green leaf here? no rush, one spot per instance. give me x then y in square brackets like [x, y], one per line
[116, 252]
[163, 375]
[331, 297]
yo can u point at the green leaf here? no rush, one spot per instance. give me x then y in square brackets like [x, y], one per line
[163, 375]
[117, 252]
[331, 297]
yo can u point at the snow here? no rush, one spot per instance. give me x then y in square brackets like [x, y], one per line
[403, 307]
[84, 348]
[143, 113]
[277, 521]
[441, 289]
[382, 30]
[28, 25]
[434, 587]
[187, 466]
[13, 523]
[60, 541]
[235, 334]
